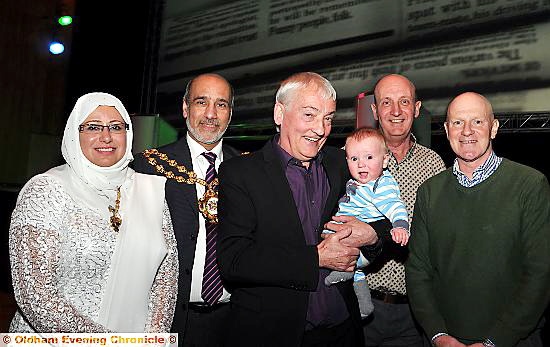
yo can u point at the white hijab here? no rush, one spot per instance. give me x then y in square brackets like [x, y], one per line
[93, 185]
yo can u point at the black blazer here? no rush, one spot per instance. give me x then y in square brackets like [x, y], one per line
[262, 252]
[182, 202]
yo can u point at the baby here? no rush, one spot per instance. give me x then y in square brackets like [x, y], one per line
[372, 194]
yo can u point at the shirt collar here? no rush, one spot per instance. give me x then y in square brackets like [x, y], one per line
[409, 154]
[197, 149]
[480, 174]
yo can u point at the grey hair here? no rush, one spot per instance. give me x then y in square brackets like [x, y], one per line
[302, 80]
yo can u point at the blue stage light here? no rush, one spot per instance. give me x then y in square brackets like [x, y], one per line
[56, 47]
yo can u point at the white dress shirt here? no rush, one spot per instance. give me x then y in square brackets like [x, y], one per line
[200, 165]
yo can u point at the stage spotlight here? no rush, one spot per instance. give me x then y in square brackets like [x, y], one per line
[65, 20]
[56, 47]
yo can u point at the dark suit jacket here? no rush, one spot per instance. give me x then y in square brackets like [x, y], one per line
[182, 202]
[262, 251]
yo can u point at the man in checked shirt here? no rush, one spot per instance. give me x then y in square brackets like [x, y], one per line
[411, 164]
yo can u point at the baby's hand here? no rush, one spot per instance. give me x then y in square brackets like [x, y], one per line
[400, 236]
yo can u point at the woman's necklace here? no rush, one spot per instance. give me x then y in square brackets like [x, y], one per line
[115, 219]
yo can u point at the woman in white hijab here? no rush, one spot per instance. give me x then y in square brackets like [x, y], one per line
[91, 242]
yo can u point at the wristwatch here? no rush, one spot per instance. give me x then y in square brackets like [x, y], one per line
[488, 343]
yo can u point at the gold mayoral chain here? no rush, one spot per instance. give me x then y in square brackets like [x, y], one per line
[208, 204]
[115, 219]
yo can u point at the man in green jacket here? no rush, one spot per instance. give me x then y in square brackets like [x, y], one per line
[478, 272]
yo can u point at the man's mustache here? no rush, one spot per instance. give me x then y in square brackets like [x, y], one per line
[211, 122]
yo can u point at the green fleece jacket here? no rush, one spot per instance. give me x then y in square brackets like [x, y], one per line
[479, 263]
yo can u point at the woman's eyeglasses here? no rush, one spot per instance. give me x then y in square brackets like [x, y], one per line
[94, 128]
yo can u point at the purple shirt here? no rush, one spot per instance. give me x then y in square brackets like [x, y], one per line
[310, 188]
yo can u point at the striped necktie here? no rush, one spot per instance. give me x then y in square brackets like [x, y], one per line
[212, 288]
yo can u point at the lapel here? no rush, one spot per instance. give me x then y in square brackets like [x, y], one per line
[332, 167]
[182, 155]
[276, 178]
[229, 152]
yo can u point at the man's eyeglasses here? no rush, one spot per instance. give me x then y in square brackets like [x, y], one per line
[93, 128]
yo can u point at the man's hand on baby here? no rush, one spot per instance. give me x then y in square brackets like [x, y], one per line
[362, 234]
[400, 236]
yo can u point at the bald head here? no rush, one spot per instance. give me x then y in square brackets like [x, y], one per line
[208, 78]
[395, 108]
[470, 127]
[394, 81]
[470, 101]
